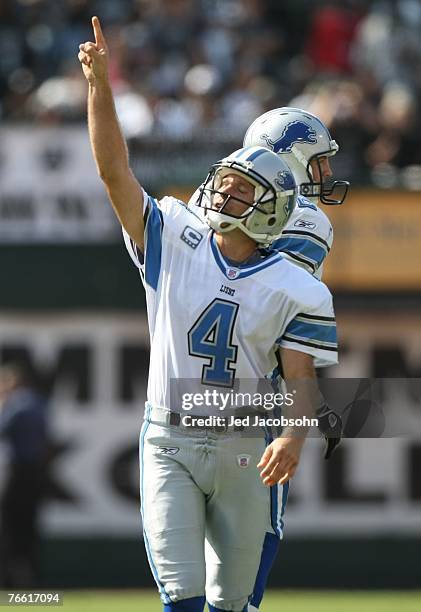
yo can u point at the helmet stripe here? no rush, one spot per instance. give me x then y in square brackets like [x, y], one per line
[256, 154]
[239, 153]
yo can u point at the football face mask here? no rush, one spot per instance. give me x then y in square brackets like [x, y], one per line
[329, 191]
[231, 192]
[253, 190]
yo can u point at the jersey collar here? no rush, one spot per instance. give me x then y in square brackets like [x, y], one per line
[241, 270]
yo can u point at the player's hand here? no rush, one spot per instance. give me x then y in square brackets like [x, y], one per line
[94, 56]
[280, 460]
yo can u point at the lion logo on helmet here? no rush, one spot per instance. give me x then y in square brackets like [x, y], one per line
[284, 180]
[296, 131]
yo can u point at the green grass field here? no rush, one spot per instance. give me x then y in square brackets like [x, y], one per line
[275, 601]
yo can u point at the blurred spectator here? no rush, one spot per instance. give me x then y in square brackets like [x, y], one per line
[388, 44]
[331, 35]
[180, 68]
[23, 427]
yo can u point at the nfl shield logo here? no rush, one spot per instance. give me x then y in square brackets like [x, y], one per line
[232, 273]
[243, 460]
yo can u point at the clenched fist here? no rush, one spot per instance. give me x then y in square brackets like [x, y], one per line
[94, 56]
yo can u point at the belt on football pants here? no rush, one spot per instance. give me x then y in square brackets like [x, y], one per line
[161, 416]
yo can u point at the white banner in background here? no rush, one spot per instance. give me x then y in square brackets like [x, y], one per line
[49, 187]
[96, 368]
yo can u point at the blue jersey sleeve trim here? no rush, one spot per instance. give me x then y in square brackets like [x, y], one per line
[306, 330]
[290, 233]
[153, 243]
[304, 248]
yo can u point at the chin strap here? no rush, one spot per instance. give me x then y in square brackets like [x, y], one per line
[330, 425]
[261, 240]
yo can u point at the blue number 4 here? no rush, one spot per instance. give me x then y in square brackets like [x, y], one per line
[211, 338]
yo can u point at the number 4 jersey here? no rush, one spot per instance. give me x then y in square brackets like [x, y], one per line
[215, 321]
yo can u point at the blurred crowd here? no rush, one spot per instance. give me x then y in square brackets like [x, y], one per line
[187, 69]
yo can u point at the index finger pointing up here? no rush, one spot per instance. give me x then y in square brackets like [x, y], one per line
[99, 36]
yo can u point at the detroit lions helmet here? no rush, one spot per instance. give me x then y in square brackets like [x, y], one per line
[299, 138]
[275, 194]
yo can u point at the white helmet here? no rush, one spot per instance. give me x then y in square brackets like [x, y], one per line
[274, 195]
[299, 137]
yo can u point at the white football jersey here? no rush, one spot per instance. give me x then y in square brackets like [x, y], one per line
[305, 240]
[216, 322]
[307, 237]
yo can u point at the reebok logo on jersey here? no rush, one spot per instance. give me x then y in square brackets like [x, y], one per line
[167, 450]
[243, 460]
[191, 237]
[306, 224]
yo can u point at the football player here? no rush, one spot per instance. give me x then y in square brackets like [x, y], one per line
[304, 142]
[196, 481]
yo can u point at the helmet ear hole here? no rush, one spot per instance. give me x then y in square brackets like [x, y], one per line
[272, 221]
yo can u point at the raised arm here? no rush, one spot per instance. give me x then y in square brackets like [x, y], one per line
[107, 141]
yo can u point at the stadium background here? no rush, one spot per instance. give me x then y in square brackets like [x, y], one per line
[189, 76]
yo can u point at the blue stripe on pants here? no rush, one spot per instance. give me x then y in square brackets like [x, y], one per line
[269, 552]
